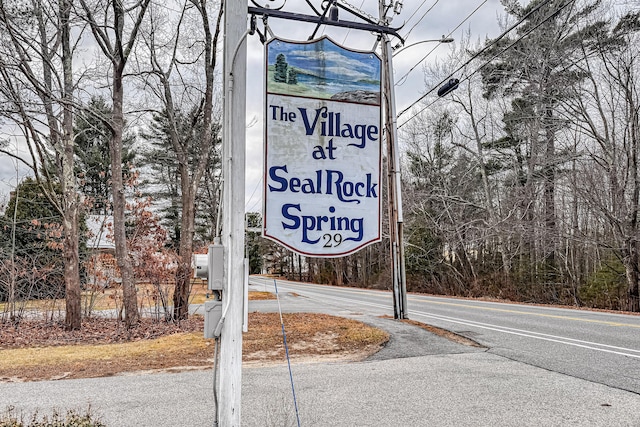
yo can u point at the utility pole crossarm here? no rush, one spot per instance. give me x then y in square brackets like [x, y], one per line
[366, 26]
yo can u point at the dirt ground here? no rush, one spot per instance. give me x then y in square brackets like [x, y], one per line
[35, 350]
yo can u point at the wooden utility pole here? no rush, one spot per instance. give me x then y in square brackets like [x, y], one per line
[233, 169]
[394, 182]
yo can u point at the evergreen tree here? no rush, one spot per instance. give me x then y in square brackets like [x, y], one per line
[293, 76]
[164, 180]
[254, 243]
[93, 161]
[536, 72]
[280, 74]
[31, 237]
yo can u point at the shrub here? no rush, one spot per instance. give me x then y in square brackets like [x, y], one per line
[606, 287]
[71, 419]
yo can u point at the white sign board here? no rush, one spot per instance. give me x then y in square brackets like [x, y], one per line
[322, 153]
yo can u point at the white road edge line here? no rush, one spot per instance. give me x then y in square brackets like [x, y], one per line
[504, 329]
[539, 336]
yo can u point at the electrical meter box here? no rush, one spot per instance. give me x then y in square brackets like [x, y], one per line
[200, 264]
[210, 267]
[212, 315]
[215, 267]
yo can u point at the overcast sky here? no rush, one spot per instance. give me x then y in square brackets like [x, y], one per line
[11, 171]
[443, 19]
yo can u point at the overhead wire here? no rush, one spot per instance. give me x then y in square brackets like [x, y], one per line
[417, 9]
[421, 18]
[405, 75]
[254, 206]
[501, 36]
[252, 194]
[349, 30]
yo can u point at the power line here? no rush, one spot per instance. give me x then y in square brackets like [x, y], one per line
[418, 8]
[421, 18]
[349, 30]
[434, 48]
[481, 52]
[252, 194]
[254, 206]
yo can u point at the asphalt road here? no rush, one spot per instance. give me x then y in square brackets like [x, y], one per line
[458, 390]
[594, 346]
[418, 379]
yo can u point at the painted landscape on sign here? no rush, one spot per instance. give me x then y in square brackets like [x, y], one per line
[322, 69]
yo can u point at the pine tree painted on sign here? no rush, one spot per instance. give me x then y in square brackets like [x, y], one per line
[293, 76]
[281, 66]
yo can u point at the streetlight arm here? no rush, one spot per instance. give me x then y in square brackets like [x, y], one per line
[441, 40]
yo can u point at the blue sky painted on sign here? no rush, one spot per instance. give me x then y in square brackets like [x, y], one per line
[325, 59]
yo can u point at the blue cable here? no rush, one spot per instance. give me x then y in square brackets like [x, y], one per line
[286, 350]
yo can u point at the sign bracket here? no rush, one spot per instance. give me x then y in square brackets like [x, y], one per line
[323, 20]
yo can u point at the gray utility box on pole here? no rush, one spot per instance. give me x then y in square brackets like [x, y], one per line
[216, 267]
[210, 267]
[212, 315]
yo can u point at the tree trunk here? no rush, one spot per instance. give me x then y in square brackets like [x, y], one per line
[73, 307]
[181, 291]
[549, 239]
[129, 294]
[184, 271]
[633, 275]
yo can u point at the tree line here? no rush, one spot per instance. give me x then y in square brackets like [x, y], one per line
[76, 79]
[521, 184]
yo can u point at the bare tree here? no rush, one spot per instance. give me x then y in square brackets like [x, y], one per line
[36, 84]
[607, 112]
[109, 22]
[535, 72]
[177, 60]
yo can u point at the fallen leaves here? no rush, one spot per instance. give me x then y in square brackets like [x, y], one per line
[103, 347]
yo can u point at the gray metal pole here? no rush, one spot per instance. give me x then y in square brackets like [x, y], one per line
[235, 64]
[397, 181]
[394, 180]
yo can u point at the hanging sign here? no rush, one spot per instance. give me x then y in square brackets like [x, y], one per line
[322, 147]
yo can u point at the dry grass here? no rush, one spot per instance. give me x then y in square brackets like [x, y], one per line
[310, 336]
[86, 361]
[444, 333]
[111, 298]
[200, 294]
[261, 295]
[40, 305]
